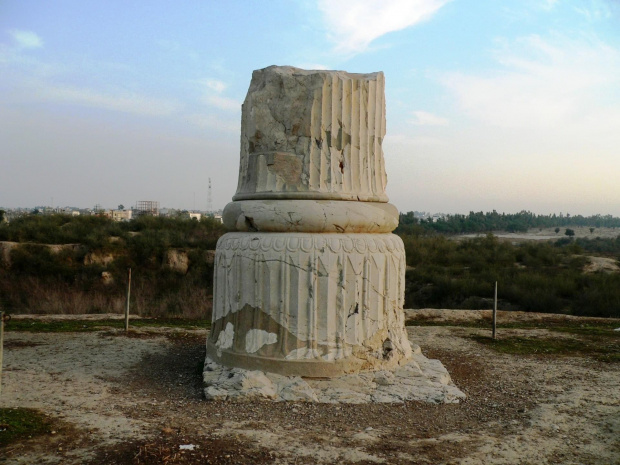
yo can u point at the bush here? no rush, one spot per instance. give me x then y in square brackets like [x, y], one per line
[532, 276]
[444, 273]
[44, 281]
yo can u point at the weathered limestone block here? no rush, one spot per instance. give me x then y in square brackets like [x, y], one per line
[312, 282]
[313, 135]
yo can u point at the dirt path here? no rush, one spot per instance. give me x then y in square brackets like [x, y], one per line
[122, 400]
[546, 234]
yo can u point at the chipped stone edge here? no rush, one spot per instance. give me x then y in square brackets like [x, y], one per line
[421, 379]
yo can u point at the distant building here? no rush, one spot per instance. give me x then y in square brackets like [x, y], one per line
[121, 215]
[195, 216]
[147, 207]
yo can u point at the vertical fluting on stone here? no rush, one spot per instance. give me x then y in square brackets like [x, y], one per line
[332, 150]
[311, 283]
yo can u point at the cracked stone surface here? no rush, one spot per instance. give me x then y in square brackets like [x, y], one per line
[419, 379]
[313, 135]
[330, 216]
[327, 304]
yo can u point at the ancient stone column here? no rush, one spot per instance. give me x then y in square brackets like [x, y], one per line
[312, 281]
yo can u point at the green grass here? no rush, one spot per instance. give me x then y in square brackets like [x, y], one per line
[603, 348]
[22, 423]
[606, 330]
[561, 325]
[462, 324]
[60, 326]
[595, 339]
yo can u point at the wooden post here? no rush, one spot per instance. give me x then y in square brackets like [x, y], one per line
[1, 346]
[128, 297]
[495, 312]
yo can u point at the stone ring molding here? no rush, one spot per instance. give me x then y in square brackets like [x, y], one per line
[320, 216]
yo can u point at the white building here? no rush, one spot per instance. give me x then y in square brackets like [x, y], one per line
[121, 215]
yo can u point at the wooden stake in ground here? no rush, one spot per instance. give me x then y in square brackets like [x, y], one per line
[495, 311]
[3, 316]
[128, 296]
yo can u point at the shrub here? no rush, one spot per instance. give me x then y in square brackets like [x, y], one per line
[549, 278]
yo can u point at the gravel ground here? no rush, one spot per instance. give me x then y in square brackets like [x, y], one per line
[136, 400]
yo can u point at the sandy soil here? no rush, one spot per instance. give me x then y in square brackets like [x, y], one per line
[598, 264]
[546, 234]
[125, 400]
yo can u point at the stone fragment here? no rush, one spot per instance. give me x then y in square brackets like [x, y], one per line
[294, 389]
[235, 383]
[384, 378]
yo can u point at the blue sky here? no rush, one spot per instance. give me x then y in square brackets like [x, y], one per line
[504, 105]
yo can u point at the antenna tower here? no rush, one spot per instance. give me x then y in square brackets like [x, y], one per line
[209, 199]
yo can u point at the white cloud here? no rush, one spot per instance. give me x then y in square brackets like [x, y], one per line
[214, 122]
[311, 66]
[176, 48]
[548, 4]
[354, 24]
[214, 84]
[223, 103]
[26, 39]
[541, 83]
[212, 90]
[423, 118]
[596, 11]
[126, 103]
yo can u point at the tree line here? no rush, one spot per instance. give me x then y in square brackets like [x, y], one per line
[479, 222]
[64, 264]
[547, 277]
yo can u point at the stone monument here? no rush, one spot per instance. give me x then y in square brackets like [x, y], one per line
[311, 283]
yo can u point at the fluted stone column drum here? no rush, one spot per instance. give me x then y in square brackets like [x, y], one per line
[312, 282]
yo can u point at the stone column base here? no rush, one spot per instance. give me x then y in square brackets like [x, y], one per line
[313, 305]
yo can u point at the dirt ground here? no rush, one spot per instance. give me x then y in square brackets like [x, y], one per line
[136, 400]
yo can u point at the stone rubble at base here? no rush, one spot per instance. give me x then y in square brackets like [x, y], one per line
[421, 379]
